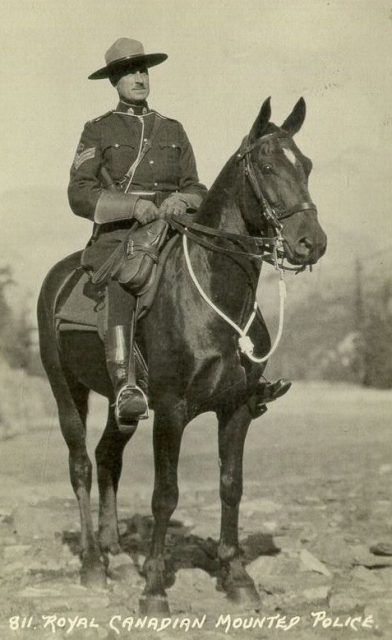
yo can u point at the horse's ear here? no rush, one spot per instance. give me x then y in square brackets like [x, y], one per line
[261, 122]
[294, 122]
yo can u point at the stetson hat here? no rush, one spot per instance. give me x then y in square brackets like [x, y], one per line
[125, 54]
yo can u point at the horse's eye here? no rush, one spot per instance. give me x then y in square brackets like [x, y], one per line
[267, 168]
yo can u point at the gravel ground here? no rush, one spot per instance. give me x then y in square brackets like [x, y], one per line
[318, 470]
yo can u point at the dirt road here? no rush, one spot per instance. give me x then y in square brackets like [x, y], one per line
[318, 471]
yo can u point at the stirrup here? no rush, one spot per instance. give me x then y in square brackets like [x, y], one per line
[136, 391]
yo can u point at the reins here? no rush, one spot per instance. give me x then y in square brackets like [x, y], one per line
[265, 249]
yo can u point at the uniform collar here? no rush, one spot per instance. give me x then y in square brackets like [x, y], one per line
[139, 109]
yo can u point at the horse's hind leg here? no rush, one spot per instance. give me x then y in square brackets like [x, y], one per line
[233, 428]
[109, 464]
[168, 430]
[72, 399]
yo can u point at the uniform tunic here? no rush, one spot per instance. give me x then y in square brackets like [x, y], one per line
[114, 141]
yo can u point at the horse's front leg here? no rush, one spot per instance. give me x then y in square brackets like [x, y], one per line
[233, 428]
[169, 426]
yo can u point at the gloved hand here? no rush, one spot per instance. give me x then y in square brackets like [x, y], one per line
[174, 204]
[145, 211]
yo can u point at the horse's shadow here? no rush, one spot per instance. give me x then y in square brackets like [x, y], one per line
[184, 550]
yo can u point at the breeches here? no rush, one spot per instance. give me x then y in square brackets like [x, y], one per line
[120, 302]
[99, 250]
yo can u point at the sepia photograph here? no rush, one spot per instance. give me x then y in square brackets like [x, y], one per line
[196, 320]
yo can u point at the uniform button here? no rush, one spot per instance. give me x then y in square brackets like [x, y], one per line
[116, 145]
[151, 161]
[155, 184]
[145, 139]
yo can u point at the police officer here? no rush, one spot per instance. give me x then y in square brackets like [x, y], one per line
[131, 164]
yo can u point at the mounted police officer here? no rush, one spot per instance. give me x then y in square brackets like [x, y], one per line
[149, 161]
[131, 164]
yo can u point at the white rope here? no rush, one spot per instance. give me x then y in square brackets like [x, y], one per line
[244, 342]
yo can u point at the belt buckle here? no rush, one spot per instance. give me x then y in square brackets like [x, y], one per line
[130, 247]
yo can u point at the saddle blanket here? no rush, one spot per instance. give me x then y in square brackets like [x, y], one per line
[78, 307]
[82, 306]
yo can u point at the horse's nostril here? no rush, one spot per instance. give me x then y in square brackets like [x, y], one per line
[304, 246]
[306, 242]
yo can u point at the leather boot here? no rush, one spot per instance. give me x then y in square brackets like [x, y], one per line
[131, 403]
[274, 390]
[267, 392]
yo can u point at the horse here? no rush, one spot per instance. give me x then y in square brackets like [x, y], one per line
[194, 360]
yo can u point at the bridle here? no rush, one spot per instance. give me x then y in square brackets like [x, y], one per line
[269, 212]
[271, 249]
[265, 248]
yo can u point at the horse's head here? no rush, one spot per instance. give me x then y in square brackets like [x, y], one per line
[277, 192]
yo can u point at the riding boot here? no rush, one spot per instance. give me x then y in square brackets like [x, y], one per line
[131, 403]
[267, 392]
[274, 390]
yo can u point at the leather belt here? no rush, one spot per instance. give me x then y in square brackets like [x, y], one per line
[154, 196]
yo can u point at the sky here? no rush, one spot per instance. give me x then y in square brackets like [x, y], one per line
[225, 58]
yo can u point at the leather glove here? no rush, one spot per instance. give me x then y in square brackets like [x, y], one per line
[145, 211]
[174, 204]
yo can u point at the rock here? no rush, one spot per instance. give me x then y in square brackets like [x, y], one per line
[346, 601]
[15, 551]
[39, 592]
[362, 556]
[120, 560]
[289, 544]
[317, 594]
[333, 550]
[5, 515]
[385, 469]
[270, 526]
[262, 567]
[366, 576]
[382, 549]
[195, 580]
[310, 563]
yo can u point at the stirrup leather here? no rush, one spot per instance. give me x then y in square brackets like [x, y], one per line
[137, 391]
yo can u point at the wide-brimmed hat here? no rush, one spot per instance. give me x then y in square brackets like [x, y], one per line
[125, 54]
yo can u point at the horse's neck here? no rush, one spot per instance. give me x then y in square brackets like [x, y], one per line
[221, 208]
[225, 280]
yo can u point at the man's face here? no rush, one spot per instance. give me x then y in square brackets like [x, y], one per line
[134, 86]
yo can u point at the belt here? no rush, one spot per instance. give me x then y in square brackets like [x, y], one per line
[146, 195]
[154, 196]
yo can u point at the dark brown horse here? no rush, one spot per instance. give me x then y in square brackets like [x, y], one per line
[194, 361]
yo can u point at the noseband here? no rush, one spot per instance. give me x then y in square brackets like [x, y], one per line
[269, 212]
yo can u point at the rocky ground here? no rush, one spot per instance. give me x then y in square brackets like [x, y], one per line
[317, 502]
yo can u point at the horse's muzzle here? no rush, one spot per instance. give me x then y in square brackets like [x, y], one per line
[308, 249]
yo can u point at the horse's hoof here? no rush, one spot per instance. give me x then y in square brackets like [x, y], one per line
[93, 578]
[245, 595]
[154, 606]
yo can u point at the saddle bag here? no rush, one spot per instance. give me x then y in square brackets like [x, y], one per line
[134, 262]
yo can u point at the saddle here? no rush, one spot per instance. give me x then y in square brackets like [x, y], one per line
[137, 264]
